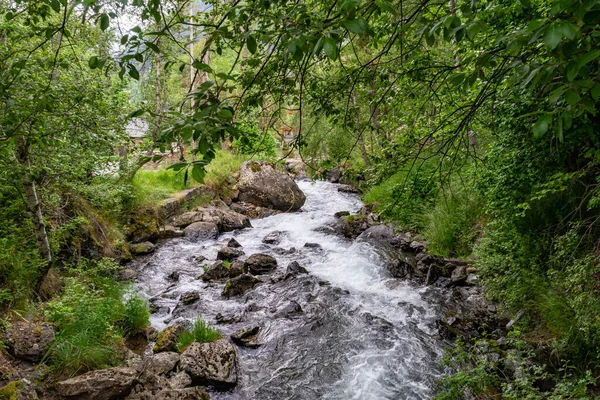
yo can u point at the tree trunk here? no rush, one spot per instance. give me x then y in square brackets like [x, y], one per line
[157, 120]
[33, 203]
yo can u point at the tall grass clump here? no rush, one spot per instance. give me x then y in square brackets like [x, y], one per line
[450, 226]
[200, 332]
[92, 316]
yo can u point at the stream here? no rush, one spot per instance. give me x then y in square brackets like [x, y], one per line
[346, 330]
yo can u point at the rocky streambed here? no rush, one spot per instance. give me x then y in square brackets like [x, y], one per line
[327, 319]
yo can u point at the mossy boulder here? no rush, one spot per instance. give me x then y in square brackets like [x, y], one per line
[167, 339]
[29, 340]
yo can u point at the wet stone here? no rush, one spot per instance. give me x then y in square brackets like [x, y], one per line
[246, 336]
[190, 297]
[229, 253]
[233, 243]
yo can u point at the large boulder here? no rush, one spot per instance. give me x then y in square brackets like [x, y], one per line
[239, 285]
[260, 264]
[28, 340]
[103, 384]
[264, 185]
[211, 364]
[192, 393]
[199, 231]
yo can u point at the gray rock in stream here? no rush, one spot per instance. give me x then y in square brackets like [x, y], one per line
[246, 336]
[273, 237]
[260, 264]
[264, 185]
[212, 364]
[239, 285]
[199, 231]
[294, 269]
[229, 254]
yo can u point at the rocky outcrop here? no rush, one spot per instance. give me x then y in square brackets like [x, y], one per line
[199, 231]
[239, 285]
[262, 184]
[260, 264]
[51, 285]
[161, 363]
[212, 364]
[28, 340]
[105, 384]
[273, 237]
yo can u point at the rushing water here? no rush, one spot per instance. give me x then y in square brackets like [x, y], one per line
[347, 330]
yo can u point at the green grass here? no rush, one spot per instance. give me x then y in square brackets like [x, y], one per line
[152, 186]
[200, 332]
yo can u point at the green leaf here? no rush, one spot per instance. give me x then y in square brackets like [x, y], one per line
[457, 79]
[198, 173]
[572, 97]
[225, 113]
[178, 166]
[133, 72]
[356, 26]
[136, 113]
[104, 21]
[251, 44]
[589, 56]
[201, 66]
[541, 125]
[330, 48]
[152, 46]
[572, 70]
[552, 36]
[93, 62]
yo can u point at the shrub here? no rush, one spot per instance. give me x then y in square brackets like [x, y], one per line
[200, 332]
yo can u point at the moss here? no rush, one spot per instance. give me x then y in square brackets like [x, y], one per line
[10, 391]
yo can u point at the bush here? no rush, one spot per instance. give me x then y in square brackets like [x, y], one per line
[253, 142]
[480, 370]
[200, 332]
[450, 225]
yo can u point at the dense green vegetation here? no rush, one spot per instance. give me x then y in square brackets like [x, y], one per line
[474, 123]
[199, 332]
